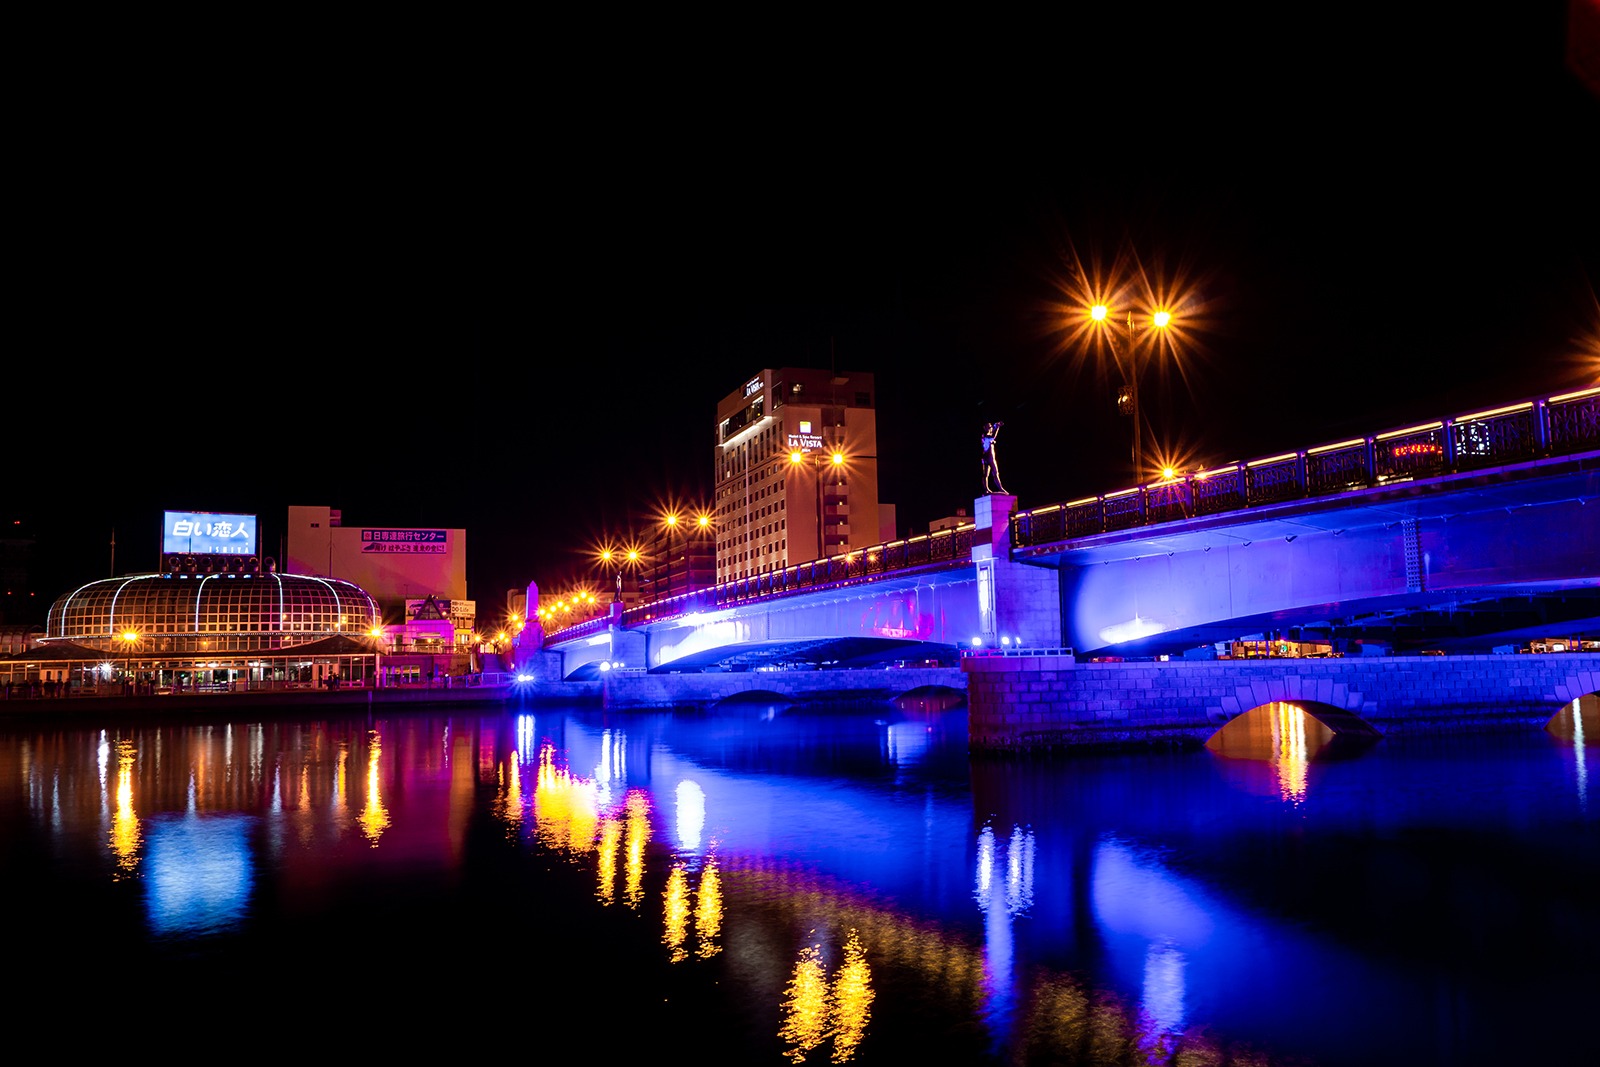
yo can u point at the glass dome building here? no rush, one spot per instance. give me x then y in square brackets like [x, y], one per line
[210, 614]
[177, 630]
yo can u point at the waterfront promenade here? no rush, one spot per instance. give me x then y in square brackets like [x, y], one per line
[1038, 702]
[246, 702]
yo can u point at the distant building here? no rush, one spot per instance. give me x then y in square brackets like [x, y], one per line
[772, 512]
[404, 568]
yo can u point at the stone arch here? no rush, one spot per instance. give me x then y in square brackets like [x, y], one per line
[1293, 689]
[1576, 685]
[1340, 730]
[1577, 714]
[753, 698]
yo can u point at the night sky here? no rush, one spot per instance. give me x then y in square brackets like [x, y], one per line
[512, 307]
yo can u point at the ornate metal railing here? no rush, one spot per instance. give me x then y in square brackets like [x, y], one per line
[1566, 424]
[1542, 427]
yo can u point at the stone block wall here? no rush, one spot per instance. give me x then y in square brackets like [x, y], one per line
[1040, 702]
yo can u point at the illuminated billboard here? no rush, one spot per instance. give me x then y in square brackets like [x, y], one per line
[206, 533]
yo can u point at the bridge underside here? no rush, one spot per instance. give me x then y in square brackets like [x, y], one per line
[1479, 623]
[818, 653]
[1494, 561]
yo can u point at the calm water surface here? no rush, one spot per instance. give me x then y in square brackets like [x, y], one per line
[764, 885]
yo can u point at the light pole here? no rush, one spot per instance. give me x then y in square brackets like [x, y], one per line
[671, 521]
[613, 559]
[129, 639]
[1160, 319]
[835, 459]
[702, 521]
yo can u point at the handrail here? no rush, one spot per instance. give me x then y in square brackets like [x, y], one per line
[1540, 427]
[1563, 424]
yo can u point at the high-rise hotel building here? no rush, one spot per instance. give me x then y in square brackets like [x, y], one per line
[797, 470]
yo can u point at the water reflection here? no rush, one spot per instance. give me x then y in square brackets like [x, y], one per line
[200, 874]
[1578, 723]
[805, 1005]
[374, 818]
[708, 912]
[850, 887]
[125, 833]
[1276, 744]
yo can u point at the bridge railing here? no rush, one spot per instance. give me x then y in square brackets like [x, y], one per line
[950, 546]
[941, 548]
[1566, 424]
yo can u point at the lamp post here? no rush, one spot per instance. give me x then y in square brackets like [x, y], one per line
[702, 522]
[129, 639]
[834, 459]
[1159, 319]
[671, 522]
[613, 559]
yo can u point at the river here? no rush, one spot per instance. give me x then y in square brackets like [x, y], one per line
[770, 884]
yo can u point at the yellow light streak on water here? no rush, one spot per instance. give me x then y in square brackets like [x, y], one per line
[1289, 743]
[852, 1000]
[606, 869]
[564, 807]
[805, 1006]
[509, 806]
[637, 806]
[708, 912]
[374, 816]
[125, 834]
[676, 930]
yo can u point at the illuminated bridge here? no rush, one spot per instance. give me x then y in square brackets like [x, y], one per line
[1462, 534]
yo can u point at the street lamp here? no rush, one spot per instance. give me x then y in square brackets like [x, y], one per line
[671, 521]
[1128, 400]
[129, 639]
[834, 459]
[613, 559]
[616, 558]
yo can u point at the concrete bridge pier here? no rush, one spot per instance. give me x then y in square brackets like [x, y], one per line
[629, 648]
[1018, 605]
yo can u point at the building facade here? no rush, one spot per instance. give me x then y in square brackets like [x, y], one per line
[796, 461]
[400, 567]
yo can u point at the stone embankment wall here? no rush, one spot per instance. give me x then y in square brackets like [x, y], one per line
[1042, 701]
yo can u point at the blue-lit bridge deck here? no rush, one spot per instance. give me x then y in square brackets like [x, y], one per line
[1463, 531]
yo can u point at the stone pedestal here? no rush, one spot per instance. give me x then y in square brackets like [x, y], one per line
[1019, 605]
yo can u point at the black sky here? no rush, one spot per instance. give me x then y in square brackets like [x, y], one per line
[510, 304]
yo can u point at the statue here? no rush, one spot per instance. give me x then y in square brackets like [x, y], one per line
[991, 465]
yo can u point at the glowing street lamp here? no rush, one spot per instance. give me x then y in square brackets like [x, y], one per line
[834, 459]
[671, 521]
[129, 638]
[1128, 400]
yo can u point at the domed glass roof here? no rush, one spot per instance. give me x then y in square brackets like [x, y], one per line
[231, 612]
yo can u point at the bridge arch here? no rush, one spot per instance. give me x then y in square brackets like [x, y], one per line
[1577, 720]
[746, 699]
[1298, 729]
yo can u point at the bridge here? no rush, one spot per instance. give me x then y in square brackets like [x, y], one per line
[1462, 534]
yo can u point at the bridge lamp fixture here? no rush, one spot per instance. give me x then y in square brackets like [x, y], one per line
[835, 459]
[1160, 319]
[616, 558]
